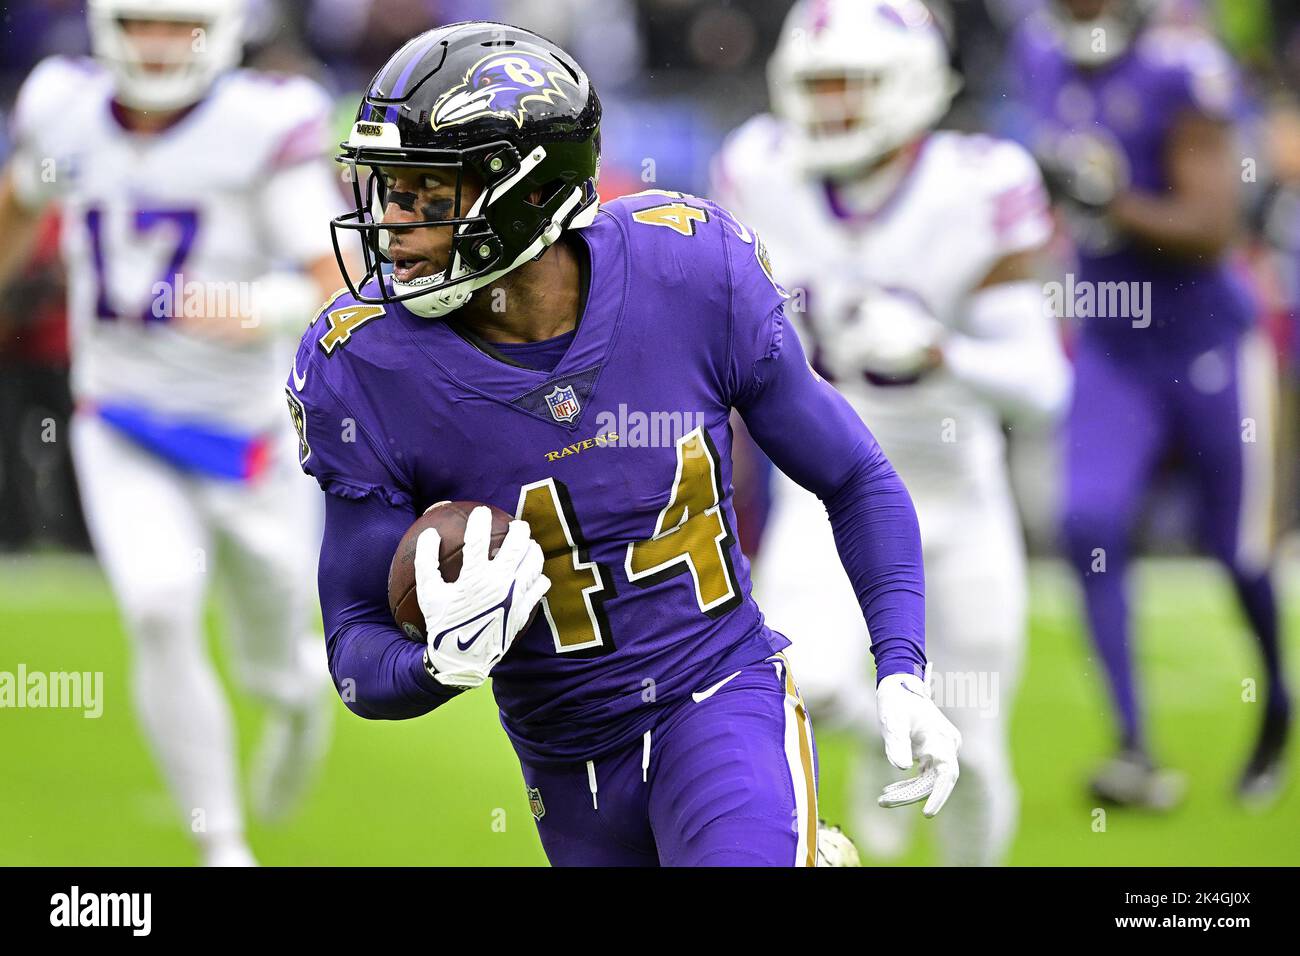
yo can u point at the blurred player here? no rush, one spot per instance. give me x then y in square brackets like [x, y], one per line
[194, 207]
[654, 716]
[915, 253]
[1133, 126]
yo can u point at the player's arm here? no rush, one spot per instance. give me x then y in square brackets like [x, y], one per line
[301, 199]
[379, 673]
[1199, 215]
[1009, 349]
[1006, 345]
[31, 180]
[812, 434]
[18, 223]
[296, 200]
[324, 273]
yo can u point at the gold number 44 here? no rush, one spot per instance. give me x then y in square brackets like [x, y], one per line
[691, 536]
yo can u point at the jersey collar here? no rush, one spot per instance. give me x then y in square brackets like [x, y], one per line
[597, 330]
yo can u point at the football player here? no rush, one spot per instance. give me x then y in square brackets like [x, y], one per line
[911, 254]
[507, 326]
[1134, 127]
[189, 190]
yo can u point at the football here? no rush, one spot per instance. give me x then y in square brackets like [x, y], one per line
[448, 519]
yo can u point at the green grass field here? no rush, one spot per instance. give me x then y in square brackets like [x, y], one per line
[446, 789]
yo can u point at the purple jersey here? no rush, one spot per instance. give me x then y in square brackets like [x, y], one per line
[1126, 109]
[619, 458]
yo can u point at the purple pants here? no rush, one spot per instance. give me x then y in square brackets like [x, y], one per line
[1129, 411]
[1216, 407]
[727, 777]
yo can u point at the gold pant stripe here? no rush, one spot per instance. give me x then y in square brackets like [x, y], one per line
[804, 734]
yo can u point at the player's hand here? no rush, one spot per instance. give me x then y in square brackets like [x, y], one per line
[1082, 172]
[889, 335]
[913, 726]
[472, 621]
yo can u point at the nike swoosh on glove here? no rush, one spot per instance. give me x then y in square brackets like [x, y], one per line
[472, 621]
[913, 726]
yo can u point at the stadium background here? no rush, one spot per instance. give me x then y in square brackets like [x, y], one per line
[675, 76]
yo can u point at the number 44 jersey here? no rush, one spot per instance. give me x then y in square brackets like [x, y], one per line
[619, 458]
[157, 227]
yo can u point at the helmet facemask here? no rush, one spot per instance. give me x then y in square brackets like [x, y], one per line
[833, 113]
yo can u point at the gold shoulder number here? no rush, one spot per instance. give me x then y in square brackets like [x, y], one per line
[677, 216]
[343, 322]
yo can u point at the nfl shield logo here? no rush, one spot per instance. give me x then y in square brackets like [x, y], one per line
[563, 403]
[535, 803]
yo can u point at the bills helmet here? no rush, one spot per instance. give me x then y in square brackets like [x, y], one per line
[890, 63]
[495, 101]
[162, 77]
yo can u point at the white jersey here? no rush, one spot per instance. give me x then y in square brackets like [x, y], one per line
[180, 220]
[966, 202]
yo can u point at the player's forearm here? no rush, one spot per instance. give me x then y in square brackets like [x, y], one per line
[1175, 225]
[879, 543]
[380, 675]
[17, 229]
[1199, 216]
[378, 672]
[1011, 353]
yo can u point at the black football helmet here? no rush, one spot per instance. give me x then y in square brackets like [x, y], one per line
[504, 103]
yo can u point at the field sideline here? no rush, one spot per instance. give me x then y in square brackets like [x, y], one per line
[447, 790]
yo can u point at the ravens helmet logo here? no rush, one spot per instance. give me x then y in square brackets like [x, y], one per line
[501, 85]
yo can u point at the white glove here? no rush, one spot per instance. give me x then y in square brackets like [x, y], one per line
[889, 335]
[911, 723]
[472, 622]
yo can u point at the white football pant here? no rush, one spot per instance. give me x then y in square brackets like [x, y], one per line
[163, 537]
